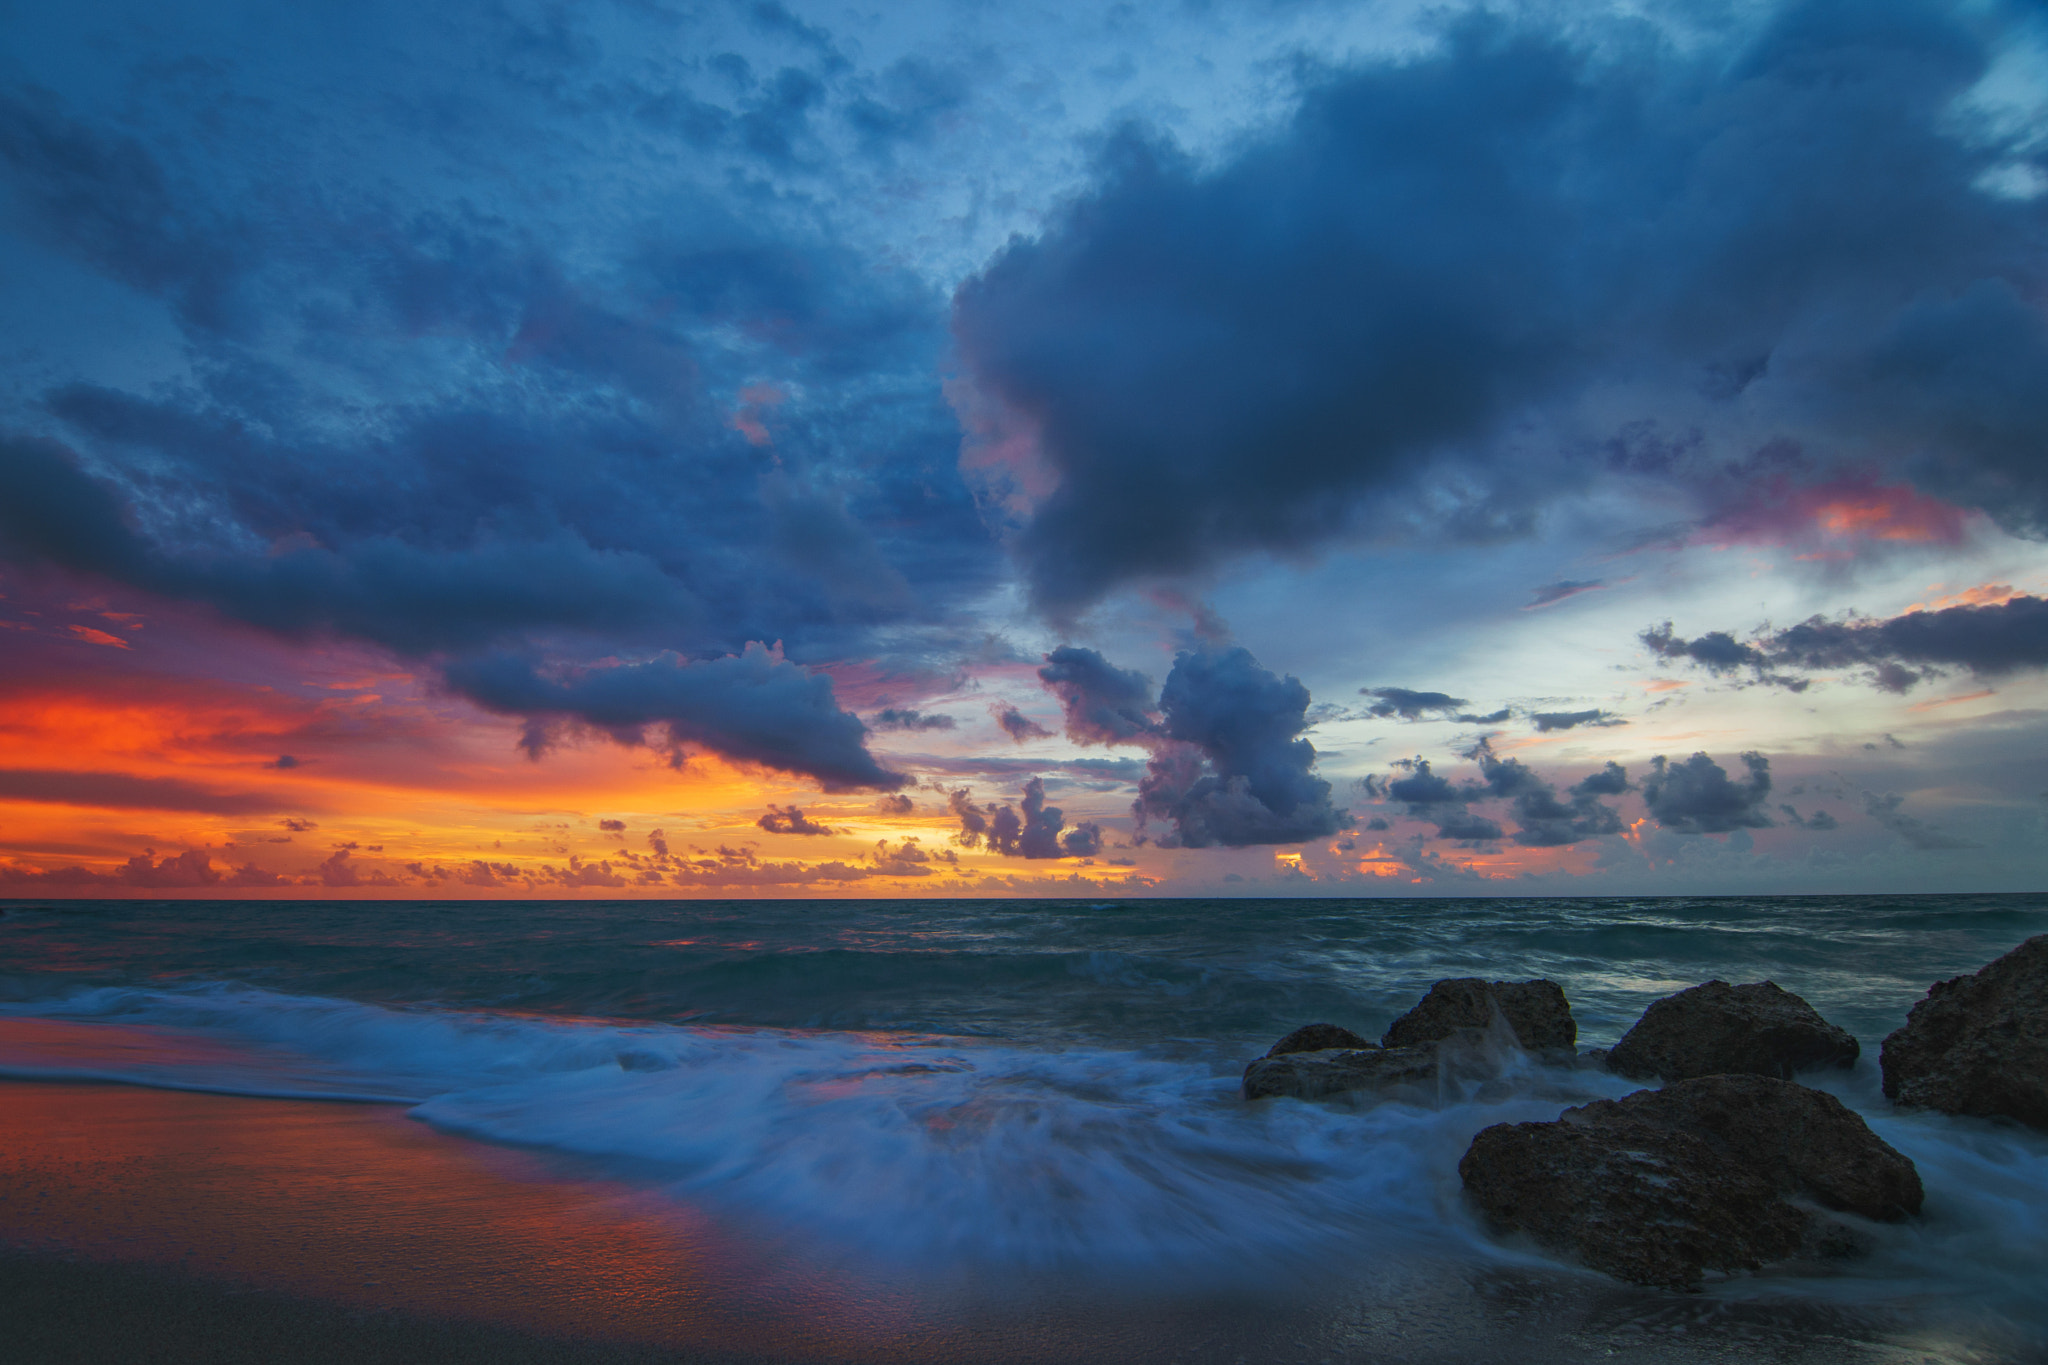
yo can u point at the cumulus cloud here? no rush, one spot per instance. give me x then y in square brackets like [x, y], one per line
[791, 820]
[1291, 344]
[1230, 767]
[1103, 704]
[1697, 796]
[1036, 832]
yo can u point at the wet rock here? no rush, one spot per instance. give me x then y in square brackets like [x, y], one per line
[1317, 1038]
[1978, 1044]
[1718, 1029]
[1536, 1010]
[1312, 1075]
[1666, 1186]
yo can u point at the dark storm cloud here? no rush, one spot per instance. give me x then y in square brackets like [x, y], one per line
[1276, 350]
[687, 430]
[904, 718]
[1697, 797]
[790, 820]
[1229, 767]
[123, 791]
[753, 707]
[1987, 640]
[1103, 704]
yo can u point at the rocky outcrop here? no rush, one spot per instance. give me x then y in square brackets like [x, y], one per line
[1536, 1010]
[1463, 1030]
[1318, 1038]
[1978, 1044]
[1312, 1075]
[1665, 1186]
[1718, 1029]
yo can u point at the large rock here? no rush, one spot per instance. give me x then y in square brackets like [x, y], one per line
[1536, 1010]
[1317, 1038]
[1978, 1044]
[1312, 1075]
[1665, 1186]
[1718, 1029]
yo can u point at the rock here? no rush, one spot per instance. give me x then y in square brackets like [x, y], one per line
[1804, 1141]
[1718, 1029]
[1978, 1044]
[1536, 1010]
[1667, 1185]
[1316, 1038]
[1312, 1075]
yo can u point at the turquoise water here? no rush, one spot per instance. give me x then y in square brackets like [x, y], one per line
[1039, 1085]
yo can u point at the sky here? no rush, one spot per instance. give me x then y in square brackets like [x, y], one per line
[940, 449]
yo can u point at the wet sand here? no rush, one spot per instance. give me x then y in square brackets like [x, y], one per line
[149, 1225]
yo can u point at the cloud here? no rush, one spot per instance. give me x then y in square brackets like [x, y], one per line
[753, 707]
[1035, 833]
[894, 718]
[1103, 704]
[1989, 640]
[1229, 767]
[1885, 809]
[790, 820]
[894, 804]
[1328, 332]
[1547, 721]
[612, 826]
[188, 869]
[123, 791]
[1018, 726]
[1697, 797]
[1410, 705]
[1551, 593]
[1819, 820]
[1717, 651]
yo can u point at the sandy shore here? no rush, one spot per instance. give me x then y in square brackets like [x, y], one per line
[147, 1225]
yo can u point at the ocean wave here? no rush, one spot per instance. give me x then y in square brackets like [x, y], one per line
[943, 1151]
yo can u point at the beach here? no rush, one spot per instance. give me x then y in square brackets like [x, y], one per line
[905, 1133]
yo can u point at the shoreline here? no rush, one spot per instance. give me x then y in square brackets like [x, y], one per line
[229, 1229]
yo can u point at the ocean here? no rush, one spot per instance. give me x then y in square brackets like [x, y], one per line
[1018, 1092]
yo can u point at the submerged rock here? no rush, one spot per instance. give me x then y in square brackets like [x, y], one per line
[1316, 1038]
[1718, 1029]
[1665, 1186]
[1536, 1010]
[1978, 1044]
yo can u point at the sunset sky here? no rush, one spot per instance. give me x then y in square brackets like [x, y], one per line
[940, 449]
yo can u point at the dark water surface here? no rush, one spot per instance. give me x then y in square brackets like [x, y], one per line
[1029, 1088]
